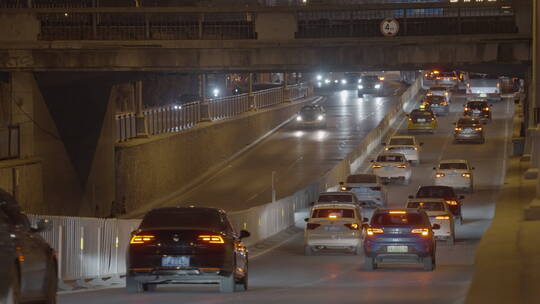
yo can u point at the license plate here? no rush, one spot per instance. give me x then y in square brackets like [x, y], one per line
[476, 111]
[421, 120]
[434, 105]
[175, 261]
[452, 174]
[332, 228]
[397, 249]
[483, 95]
[388, 168]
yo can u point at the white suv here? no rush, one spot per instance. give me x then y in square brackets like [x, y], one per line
[455, 173]
[392, 166]
[334, 226]
[406, 145]
[438, 213]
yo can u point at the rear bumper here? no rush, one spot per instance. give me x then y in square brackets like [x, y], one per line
[334, 243]
[468, 137]
[378, 250]
[458, 183]
[194, 276]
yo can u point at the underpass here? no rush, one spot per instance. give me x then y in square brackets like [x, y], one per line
[286, 275]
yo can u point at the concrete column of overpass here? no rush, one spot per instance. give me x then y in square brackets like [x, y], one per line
[140, 123]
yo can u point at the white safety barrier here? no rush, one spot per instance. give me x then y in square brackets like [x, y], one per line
[91, 248]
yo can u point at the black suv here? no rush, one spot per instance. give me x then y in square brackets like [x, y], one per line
[400, 235]
[446, 193]
[192, 245]
[28, 263]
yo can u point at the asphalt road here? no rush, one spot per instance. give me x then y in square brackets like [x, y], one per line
[298, 156]
[285, 275]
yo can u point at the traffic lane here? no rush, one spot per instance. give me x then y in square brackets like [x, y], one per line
[286, 275]
[297, 156]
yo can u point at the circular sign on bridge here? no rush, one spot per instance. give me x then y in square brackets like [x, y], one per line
[389, 27]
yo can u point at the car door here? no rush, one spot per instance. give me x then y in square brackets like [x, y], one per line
[32, 255]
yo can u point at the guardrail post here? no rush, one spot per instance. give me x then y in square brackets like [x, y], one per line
[285, 95]
[205, 107]
[251, 98]
[140, 119]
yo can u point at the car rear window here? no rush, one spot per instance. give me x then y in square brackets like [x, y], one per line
[406, 219]
[328, 198]
[435, 192]
[370, 78]
[429, 206]
[184, 218]
[390, 158]
[364, 178]
[401, 141]
[421, 114]
[456, 166]
[332, 213]
[434, 99]
[476, 105]
[437, 89]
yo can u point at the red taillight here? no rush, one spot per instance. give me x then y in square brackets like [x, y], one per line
[352, 226]
[422, 231]
[311, 226]
[142, 239]
[211, 239]
[343, 188]
[452, 202]
[401, 166]
[373, 231]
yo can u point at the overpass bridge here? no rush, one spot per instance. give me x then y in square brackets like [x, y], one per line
[258, 38]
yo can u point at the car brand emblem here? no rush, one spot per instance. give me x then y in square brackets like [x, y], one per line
[176, 238]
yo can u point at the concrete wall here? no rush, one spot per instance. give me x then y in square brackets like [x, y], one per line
[156, 169]
[275, 26]
[19, 27]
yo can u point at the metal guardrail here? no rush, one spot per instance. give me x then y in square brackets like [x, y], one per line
[172, 118]
[268, 97]
[9, 142]
[229, 106]
[297, 91]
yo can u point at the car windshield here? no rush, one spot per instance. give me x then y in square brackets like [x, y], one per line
[476, 105]
[309, 109]
[362, 178]
[450, 166]
[421, 114]
[437, 89]
[184, 218]
[390, 158]
[332, 213]
[401, 142]
[328, 198]
[370, 78]
[442, 192]
[396, 219]
[429, 206]
[467, 121]
[434, 99]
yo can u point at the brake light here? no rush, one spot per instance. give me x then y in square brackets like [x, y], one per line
[343, 188]
[452, 202]
[444, 103]
[372, 231]
[376, 166]
[442, 217]
[422, 231]
[458, 129]
[211, 239]
[397, 212]
[478, 129]
[486, 109]
[311, 226]
[468, 175]
[142, 239]
[401, 166]
[352, 226]
[332, 216]
[439, 175]
[466, 109]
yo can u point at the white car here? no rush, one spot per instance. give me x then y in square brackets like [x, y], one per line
[334, 226]
[392, 166]
[438, 213]
[406, 145]
[455, 173]
[440, 91]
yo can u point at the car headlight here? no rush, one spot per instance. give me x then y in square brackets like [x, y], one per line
[378, 86]
[343, 81]
[360, 86]
[327, 80]
[336, 81]
[359, 80]
[319, 77]
[320, 117]
[299, 118]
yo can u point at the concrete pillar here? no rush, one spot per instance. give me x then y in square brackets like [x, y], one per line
[140, 122]
[22, 110]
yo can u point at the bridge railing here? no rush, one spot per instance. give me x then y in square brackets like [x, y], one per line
[229, 106]
[172, 118]
[267, 98]
[297, 91]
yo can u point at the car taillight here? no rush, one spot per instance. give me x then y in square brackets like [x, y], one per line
[352, 226]
[311, 226]
[452, 202]
[373, 231]
[376, 166]
[486, 109]
[458, 129]
[422, 231]
[478, 129]
[211, 239]
[466, 109]
[442, 217]
[343, 188]
[401, 166]
[468, 175]
[439, 175]
[142, 239]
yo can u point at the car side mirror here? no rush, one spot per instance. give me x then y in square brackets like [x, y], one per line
[42, 226]
[244, 234]
[410, 196]
[436, 227]
[341, 183]
[312, 204]
[306, 219]
[461, 197]
[365, 220]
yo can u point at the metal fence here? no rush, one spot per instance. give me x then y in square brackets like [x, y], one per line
[172, 118]
[268, 97]
[225, 107]
[297, 91]
[9, 142]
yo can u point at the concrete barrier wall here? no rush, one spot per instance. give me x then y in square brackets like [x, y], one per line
[159, 168]
[95, 248]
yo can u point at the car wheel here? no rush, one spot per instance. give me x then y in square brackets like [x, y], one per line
[227, 284]
[429, 263]
[51, 283]
[13, 293]
[133, 286]
[242, 284]
[370, 263]
[308, 250]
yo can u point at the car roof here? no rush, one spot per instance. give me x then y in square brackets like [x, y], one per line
[426, 199]
[336, 193]
[335, 205]
[438, 88]
[453, 161]
[185, 208]
[391, 154]
[402, 136]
